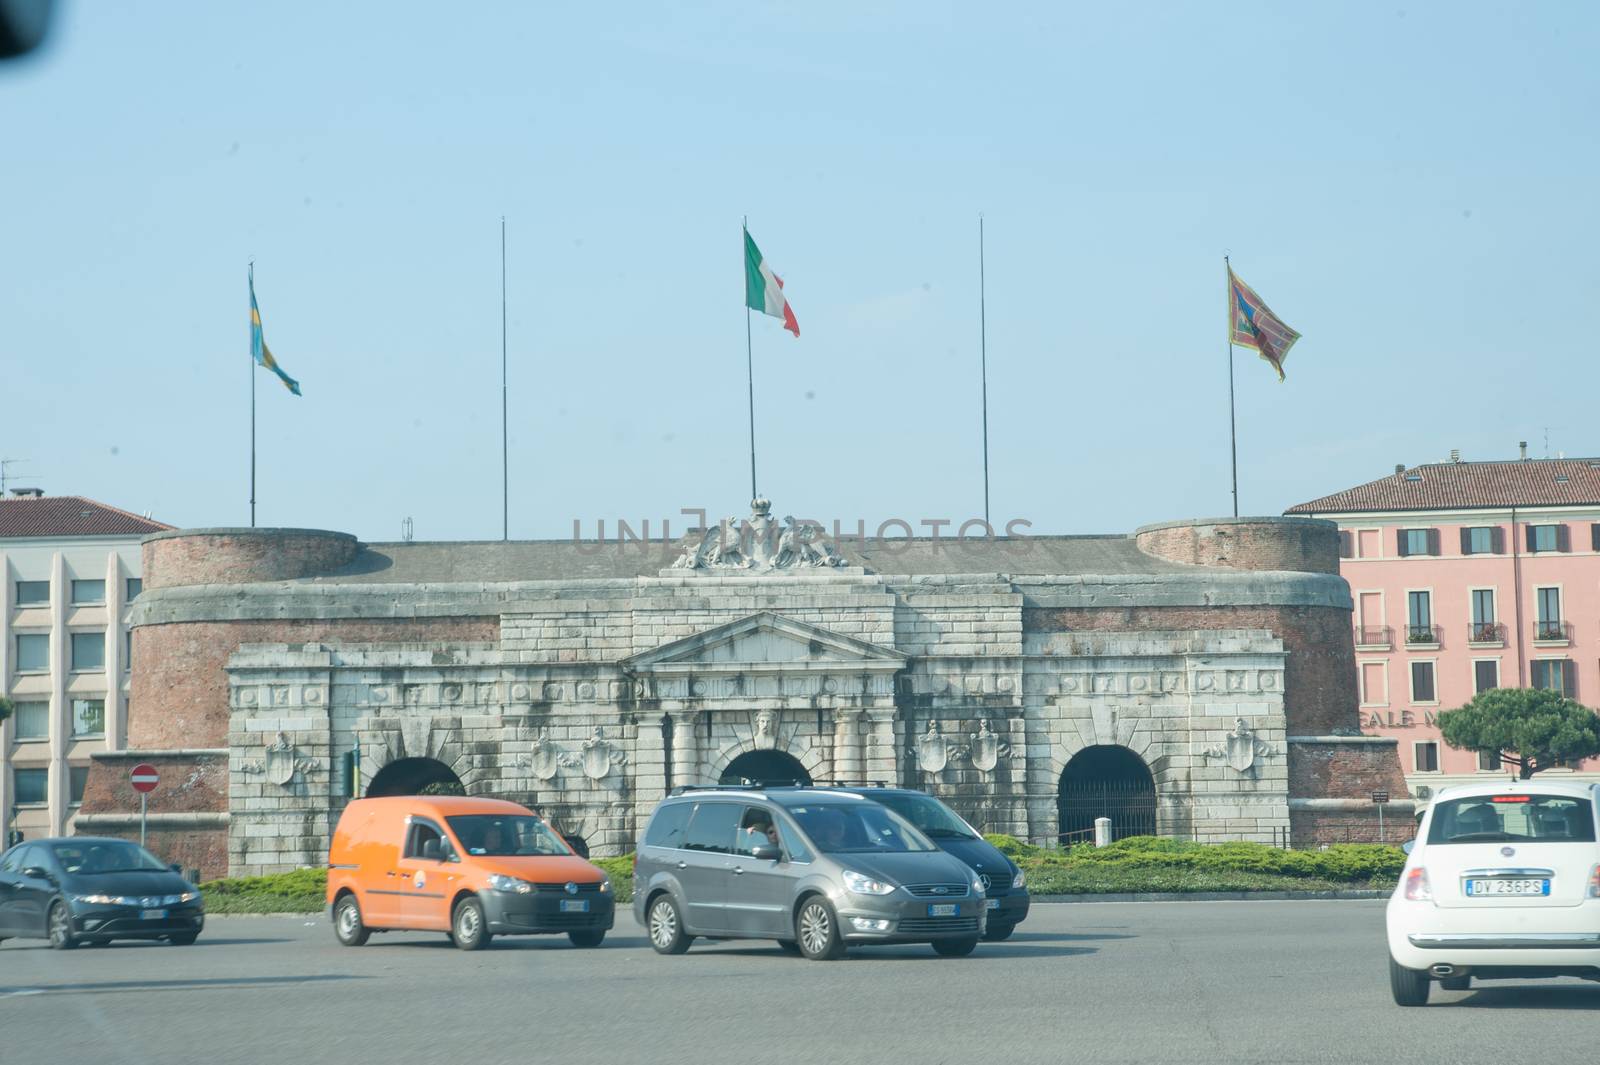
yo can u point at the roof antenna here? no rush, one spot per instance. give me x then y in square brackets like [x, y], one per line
[5, 472]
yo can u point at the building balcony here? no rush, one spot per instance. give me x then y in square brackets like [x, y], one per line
[1422, 637]
[1552, 634]
[1486, 634]
[1374, 638]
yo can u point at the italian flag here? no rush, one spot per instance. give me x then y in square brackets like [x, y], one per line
[763, 289]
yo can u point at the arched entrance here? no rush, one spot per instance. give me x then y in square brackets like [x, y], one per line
[1106, 781]
[765, 767]
[415, 776]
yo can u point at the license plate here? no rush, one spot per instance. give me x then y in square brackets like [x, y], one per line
[993, 904]
[1481, 888]
[152, 915]
[574, 905]
[943, 909]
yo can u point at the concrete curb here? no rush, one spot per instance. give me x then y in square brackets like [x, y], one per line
[1217, 896]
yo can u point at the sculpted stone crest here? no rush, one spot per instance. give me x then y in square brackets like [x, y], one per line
[600, 754]
[279, 763]
[933, 754]
[1241, 748]
[985, 748]
[758, 544]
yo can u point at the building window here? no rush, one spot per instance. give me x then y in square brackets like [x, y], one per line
[1547, 538]
[135, 586]
[88, 651]
[1419, 617]
[1482, 540]
[1422, 690]
[1485, 674]
[1548, 626]
[88, 717]
[1419, 542]
[33, 652]
[1484, 629]
[1554, 674]
[127, 651]
[87, 593]
[32, 721]
[1488, 760]
[1346, 544]
[33, 786]
[78, 777]
[33, 593]
[1427, 756]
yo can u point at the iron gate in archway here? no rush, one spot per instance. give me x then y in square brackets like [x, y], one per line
[1106, 781]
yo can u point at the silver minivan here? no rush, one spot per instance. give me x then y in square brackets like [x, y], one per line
[815, 871]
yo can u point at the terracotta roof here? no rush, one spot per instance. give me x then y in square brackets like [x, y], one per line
[1467, 485]
[69, 516]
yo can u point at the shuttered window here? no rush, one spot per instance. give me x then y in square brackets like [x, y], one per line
[1418, 542]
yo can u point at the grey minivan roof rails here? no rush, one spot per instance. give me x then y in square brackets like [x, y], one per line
[852, 784]
[683, 789]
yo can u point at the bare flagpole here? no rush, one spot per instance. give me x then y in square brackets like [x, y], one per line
[749, 363]
[983, 357]
[252, 279]
[505, 447]
[1233, 433]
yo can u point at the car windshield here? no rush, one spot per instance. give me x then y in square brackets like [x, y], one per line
[506, 835]
[1523, 817]
[105, 856]
[934, 818]
[836, 828]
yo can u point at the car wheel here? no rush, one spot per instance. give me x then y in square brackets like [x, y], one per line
[1410, 986]
[59, 927]
[183, 939]
[1456, 983]
[665, 925]
[996, 932]
[468, 926]
[788, 946]
[817, 930]
[588, 937]
[955, 948]
[348, 926]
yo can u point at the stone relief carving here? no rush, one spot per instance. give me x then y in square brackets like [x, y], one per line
[279, 763]
[1241, 748]
[546, 757]
[600, 754]
[758, 544]
[765, 735]
[985, 748]
[933, 753]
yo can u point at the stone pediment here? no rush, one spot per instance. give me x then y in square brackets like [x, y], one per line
[766, 643]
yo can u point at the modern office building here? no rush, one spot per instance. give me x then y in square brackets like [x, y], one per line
[1467, 576]
[69, 568]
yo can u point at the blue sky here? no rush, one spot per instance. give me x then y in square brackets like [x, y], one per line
[1409, 185]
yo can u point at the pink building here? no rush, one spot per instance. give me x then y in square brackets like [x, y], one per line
[1466, 576]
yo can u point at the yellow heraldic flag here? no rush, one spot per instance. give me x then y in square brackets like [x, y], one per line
[258, 343]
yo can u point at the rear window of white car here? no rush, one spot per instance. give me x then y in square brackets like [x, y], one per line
[1523, 817]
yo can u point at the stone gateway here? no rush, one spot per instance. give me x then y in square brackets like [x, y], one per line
[1195, 679]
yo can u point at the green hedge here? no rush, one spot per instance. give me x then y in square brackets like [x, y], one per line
[301, 891]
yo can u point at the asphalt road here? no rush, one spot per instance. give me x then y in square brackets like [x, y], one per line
[1183, 982]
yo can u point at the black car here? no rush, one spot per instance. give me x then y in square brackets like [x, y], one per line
[1005, 888]
[83, 889]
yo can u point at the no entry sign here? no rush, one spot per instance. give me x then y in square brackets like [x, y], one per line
[144, 777]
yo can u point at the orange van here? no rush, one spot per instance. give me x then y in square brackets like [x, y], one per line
[471, 868]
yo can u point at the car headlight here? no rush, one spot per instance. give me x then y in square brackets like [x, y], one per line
[100, 900]
[1020, 880]
[605, 886]
[509, 883]
[189, 896]
[865, 885]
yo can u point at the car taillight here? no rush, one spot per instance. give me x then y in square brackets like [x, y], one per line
[1417, 887]
[635, 863]
[1594, 883]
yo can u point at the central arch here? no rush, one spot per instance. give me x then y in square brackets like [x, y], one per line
[765, 767]
[1106, 781]
[415, 776]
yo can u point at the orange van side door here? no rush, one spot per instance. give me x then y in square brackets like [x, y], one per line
[423, 878]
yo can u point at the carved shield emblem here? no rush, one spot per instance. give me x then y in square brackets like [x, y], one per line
[279, 765]
[933, 754]
[985, 748]
[596, 755]
[546, 759]
[1241, 751]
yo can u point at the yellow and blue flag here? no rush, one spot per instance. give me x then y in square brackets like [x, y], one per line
[258, 343]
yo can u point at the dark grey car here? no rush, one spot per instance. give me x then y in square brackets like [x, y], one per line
[815, 871]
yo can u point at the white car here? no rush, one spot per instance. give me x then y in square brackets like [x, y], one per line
[1502, 882]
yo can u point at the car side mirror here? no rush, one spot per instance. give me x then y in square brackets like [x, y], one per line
[34, 872]
[766, 852]
[1407, 845]
[176, 868]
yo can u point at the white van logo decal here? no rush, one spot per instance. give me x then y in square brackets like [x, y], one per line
[1506, 852]
[420, 880]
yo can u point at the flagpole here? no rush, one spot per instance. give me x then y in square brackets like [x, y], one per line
[983, 358]
[505, 447]
[251, 273]
[1233, 432]
[749, 366]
